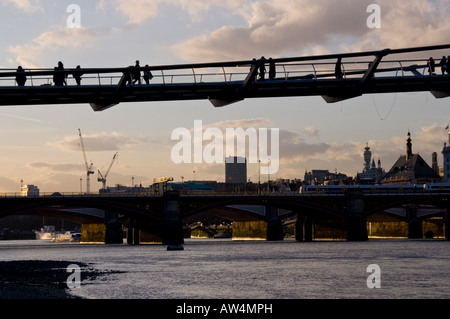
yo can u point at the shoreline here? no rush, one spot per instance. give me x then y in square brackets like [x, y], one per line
[41, 279]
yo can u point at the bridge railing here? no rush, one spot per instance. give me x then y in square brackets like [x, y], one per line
[314, 70]
[212, 193]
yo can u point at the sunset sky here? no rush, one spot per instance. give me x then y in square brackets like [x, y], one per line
[40, 144]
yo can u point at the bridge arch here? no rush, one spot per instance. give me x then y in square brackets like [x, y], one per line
[69, 208]
[223, 208]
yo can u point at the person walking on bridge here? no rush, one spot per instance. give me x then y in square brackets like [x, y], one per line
[262, 68]
[443, 64]
[137, 73]
[338, 69]
[272, 69]
[431, 66]
[77, 75]
[21, 78]
[60, 75]
[448, 64]
[147, 74]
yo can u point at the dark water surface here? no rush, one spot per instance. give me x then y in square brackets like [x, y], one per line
[226, 269]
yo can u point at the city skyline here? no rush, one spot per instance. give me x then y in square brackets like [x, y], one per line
[40, 144]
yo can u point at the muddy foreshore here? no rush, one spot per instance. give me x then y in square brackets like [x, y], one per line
[37, 279]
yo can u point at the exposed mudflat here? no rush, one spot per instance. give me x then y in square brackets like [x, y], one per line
[37, 279]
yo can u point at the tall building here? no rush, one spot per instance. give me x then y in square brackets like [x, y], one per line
[410, 169]
[446, 164]
[236, 170]
[370, 174]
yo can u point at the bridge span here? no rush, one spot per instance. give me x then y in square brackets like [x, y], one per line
[160, 218]
[335, 77]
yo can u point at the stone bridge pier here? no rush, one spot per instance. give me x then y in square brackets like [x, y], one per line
[172, 224]
[447, 223]
[268, 229]
[414, 223]
[109, 232]
[303, 228]
[168, 232]
[355, 217]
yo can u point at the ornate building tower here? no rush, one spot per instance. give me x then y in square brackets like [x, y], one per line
[446, 163]
[408, 147]
[367, 158]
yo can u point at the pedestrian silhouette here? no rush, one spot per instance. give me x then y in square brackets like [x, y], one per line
[137, 74]
[58, 77]
[443, 64]
[272, 69]
[338, 69]
[61, 77]
[256, 73]
[129, 75]
[448, 64]
[77, 75]
[147, 74]
[21, 78]
[262, 68]
[431, 66]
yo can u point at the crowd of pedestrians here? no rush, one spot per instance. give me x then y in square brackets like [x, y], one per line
[137, 73]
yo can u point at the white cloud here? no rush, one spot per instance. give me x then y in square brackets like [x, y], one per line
[98, 142]
[298, 27]
[139, 11]
[29, 55]
[25, 5]
[57, 167]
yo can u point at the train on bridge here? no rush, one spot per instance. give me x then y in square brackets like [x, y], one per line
[376, 189]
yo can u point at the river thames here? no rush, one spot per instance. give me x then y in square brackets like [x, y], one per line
[226, 269]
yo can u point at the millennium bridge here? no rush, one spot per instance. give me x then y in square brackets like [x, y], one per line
[335, 77]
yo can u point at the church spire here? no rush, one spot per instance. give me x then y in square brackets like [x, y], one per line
[408, 146]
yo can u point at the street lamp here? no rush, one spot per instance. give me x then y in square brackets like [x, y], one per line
[259, 175]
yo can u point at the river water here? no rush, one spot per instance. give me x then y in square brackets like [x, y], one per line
[226, 269]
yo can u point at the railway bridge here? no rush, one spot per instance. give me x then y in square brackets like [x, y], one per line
[160, 218]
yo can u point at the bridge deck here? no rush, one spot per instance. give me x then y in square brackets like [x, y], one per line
[227, 82]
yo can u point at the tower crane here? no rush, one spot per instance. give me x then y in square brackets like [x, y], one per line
[89, 170]
[102, 178]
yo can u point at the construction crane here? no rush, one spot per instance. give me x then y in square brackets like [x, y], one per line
[102, 178]
[89, 170]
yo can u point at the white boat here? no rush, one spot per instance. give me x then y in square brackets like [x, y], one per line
[67, 236]
[46, 233]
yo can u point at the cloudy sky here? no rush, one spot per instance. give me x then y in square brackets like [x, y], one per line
[40, 144]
